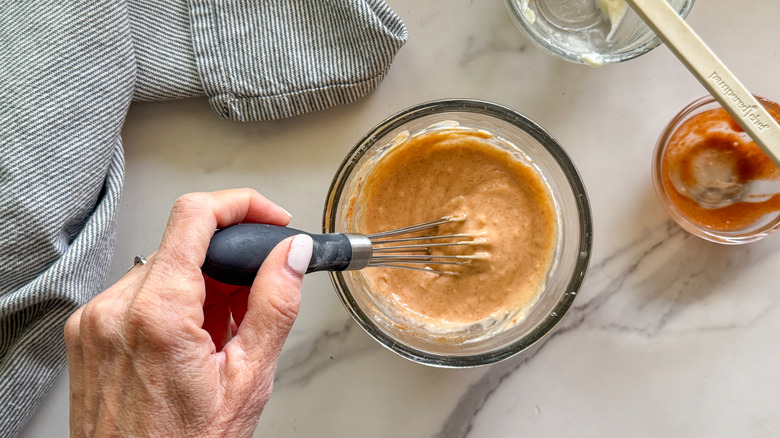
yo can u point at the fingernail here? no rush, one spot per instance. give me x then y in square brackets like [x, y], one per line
[300, 253]
[288, 213]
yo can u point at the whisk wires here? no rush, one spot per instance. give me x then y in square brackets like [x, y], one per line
[415, 252]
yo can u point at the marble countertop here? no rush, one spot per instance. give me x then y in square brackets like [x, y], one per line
[669, 336]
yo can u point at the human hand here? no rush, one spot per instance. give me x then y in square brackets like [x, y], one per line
[146, 358]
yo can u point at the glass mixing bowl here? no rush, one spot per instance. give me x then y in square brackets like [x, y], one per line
[525, 139]
[577, 30]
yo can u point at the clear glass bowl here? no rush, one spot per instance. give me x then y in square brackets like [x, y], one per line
[577, 31]
[572, 253]
[757, 230]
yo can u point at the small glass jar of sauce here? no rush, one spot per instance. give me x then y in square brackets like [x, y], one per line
[713, 179]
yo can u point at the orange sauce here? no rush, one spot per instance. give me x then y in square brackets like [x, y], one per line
[716, 133]
[506, 203]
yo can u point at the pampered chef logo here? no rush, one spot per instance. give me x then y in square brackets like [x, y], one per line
[748, 111]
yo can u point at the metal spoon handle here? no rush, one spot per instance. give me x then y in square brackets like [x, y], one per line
[710, 71]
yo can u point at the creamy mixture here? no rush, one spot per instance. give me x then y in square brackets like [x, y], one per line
[507, 205]
[613, 10]
[590, 38]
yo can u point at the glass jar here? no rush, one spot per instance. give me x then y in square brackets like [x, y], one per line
[740, 200]
[577, 30]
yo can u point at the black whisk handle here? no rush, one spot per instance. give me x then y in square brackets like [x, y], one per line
[236, 252]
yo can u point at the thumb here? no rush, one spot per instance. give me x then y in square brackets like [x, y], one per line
[274, 300]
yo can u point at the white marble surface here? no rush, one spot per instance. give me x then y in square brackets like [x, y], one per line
[670, 335]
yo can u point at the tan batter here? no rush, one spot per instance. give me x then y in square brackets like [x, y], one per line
[506, 203]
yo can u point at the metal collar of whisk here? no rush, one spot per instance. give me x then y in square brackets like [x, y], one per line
[361, 251]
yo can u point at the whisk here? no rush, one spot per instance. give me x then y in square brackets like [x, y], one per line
[236, 252]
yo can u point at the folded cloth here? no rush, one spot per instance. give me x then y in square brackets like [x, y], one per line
[263, 59]
[68, 71]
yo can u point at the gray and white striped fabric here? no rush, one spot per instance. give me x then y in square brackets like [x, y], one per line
[263, 59]
[68, 71]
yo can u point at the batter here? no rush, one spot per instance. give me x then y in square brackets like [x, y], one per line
[507, 205]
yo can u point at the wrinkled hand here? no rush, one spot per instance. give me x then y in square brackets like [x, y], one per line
[165, 352]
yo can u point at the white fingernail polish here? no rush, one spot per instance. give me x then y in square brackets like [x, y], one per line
[300, 253]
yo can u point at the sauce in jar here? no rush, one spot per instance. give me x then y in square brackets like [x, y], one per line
[709, 168]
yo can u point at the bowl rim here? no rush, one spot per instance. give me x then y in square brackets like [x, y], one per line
[575, 183]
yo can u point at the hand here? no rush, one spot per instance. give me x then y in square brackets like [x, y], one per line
[142, 355]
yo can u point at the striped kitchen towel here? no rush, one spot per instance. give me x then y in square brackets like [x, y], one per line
[68, 71]
[261, 59]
